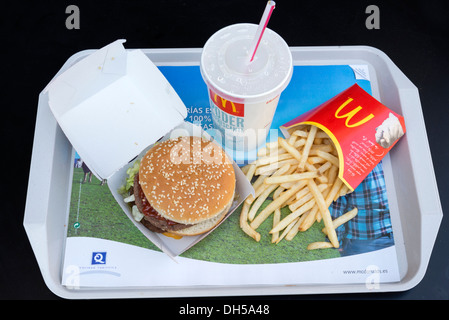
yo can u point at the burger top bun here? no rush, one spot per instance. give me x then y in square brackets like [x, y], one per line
[188, 180]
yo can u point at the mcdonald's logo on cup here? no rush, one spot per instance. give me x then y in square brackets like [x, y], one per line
[232, 108]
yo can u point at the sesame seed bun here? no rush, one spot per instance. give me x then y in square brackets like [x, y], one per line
[188, 180]
[203, 226]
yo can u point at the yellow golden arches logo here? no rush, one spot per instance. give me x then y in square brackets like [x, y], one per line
[223, 103]
[350, 114]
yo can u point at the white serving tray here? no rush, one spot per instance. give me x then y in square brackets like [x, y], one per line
[411, 184]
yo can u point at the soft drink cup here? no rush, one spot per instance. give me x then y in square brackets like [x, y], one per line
[244, 95]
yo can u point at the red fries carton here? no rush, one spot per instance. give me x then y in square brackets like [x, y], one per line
[362, 129]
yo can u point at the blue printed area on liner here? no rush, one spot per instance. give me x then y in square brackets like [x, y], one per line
[309, 87]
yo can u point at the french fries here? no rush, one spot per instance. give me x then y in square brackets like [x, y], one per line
[301, 173]
[324, 210]
[319, 245]
[244, 223]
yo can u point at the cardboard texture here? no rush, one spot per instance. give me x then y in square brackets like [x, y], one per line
[115, 104]
[362, 129]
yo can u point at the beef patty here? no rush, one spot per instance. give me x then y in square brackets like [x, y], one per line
[152, 219]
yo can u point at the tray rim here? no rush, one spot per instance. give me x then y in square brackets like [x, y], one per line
[35, 226]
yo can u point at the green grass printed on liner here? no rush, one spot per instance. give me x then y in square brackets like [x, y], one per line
[100, 216]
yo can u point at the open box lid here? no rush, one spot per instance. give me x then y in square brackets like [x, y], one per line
[113, 104]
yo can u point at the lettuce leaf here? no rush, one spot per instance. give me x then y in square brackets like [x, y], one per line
[131, 172]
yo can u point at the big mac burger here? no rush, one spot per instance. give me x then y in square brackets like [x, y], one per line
[183, 186]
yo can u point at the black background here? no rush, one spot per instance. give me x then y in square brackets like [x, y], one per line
[36, 43]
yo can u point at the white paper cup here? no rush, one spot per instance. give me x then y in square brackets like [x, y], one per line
[244, 95]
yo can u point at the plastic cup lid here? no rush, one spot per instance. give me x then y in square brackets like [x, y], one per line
[226, 69]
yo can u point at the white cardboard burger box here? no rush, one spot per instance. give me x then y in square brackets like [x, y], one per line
[113, 106]
[410, 178]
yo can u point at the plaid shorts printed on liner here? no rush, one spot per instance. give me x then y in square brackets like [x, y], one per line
[373, 217]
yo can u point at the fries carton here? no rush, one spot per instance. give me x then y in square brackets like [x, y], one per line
[112, 106]
[362, 129]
